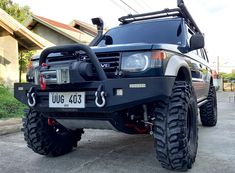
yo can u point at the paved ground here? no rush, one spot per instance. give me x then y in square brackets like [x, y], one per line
[109, 151]
[11, 125]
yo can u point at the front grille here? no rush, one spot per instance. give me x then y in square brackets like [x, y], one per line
[108, 61]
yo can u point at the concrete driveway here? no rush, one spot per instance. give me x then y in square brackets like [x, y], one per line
[102, 151]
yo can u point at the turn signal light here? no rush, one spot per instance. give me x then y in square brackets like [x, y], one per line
[159, 55]
[43, 84]
[44, 65]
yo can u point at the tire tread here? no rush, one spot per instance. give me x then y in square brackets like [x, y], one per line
[169, 132]
[42, 139]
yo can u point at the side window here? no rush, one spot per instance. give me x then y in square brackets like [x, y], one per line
[200, 53]
[190, 33]
[195, 52]
[203, 51]
[203, 54]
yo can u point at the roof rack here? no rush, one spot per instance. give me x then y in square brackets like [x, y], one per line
[181, 11]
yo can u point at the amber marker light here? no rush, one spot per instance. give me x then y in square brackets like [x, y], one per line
[158, 55]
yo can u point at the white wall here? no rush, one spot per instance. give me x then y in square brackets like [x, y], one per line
[9, 66]
[51, 35]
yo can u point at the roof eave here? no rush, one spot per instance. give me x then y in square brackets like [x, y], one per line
[17, 30]
[54, 28]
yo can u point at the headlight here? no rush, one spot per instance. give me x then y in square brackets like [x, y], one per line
[141, 61]
[135, 62]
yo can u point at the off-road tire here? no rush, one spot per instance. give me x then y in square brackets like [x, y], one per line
[175, 128]
[208, 111]
[48, 140]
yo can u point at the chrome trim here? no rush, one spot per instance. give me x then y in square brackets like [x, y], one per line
[202, 103]
[197, 80]
[59, 76]
[201, 99]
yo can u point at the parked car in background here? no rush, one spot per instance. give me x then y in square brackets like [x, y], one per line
[34, 62]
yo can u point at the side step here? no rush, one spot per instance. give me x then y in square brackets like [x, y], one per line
[202, 102]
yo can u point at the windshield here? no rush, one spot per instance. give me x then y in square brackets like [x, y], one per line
[149, 32]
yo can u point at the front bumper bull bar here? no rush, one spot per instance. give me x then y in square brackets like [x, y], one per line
[135, 91]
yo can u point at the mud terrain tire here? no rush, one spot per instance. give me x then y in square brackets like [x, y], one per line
[208, 111]
[48, 140]
[175, 130]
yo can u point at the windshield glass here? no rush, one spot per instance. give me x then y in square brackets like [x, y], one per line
[148, 32]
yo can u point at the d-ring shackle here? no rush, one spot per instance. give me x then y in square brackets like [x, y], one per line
[32, 100]
[100, 95]
[31, 97]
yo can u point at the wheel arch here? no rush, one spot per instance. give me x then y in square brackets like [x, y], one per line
[179, 68]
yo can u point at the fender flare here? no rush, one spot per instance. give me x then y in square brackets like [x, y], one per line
[174, 64]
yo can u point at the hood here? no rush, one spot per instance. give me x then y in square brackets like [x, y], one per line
[122, 47]
[136, 47]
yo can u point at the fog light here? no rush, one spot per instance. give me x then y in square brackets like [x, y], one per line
[119, 92]
[138, 85]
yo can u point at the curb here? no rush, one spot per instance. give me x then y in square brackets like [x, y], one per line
[9, 126]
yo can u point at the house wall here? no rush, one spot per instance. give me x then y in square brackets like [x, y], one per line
[9, 67]
[51, 35]
[85, 38]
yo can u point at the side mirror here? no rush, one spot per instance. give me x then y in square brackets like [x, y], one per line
[197, 41]
[108, 40]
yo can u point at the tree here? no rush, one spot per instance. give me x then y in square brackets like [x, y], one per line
[222, 74]
[17, 12]
[20, 14]
[24, 59]
[228, 76]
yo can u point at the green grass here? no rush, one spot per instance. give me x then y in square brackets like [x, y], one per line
[9, 106]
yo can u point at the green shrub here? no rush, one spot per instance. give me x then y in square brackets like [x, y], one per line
[9, 106]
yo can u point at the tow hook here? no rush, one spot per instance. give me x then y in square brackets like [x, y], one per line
[31, 95]
[100, 97]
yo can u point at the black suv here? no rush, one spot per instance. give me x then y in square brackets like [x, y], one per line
[34, 63]
[147, 76]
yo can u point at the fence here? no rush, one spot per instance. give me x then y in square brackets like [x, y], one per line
[228, 85]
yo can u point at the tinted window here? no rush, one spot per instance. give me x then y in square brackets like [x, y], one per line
[148, 32]
[204, 54]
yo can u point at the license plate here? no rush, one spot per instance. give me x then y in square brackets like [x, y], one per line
[67, 99]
